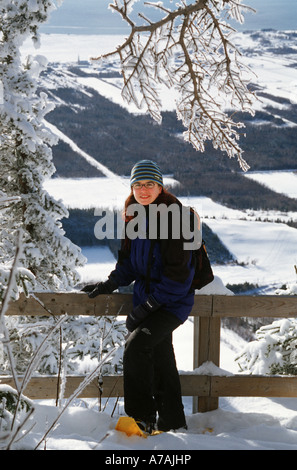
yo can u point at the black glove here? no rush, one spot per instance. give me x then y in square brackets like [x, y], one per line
[106, 287]
[88, 288]
[140, 312]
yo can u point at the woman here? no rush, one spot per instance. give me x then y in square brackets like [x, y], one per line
[162, 300]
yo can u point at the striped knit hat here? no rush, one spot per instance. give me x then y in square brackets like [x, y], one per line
[146, 170]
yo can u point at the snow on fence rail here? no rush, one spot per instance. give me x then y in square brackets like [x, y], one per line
[207, 312]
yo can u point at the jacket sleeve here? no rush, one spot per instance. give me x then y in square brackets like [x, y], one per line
[123, 274]
[177, 274]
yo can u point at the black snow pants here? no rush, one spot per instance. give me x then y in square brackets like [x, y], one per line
[151, 380]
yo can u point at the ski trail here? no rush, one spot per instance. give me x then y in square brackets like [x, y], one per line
[99, 166]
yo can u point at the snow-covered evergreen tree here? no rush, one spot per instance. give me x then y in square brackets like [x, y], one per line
[77, 347]
[26, 156]
[48, 260]
[275, 349]
[273, 352]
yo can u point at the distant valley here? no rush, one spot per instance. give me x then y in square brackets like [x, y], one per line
[118, 138]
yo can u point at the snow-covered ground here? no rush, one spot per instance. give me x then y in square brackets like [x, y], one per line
[266, 251]
[239, 424]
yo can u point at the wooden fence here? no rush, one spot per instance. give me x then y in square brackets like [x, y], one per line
[207, 312]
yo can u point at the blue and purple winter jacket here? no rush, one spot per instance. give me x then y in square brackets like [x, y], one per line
[171, 274]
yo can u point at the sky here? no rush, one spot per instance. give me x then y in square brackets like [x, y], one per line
[94, 17]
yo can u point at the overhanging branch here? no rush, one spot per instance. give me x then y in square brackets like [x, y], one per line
[189, 50]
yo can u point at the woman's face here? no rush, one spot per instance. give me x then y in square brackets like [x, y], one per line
[146, 191]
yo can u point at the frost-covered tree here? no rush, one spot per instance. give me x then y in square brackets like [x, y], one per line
[48, 260]
[26, 156]
[275, 349]
[188, 48]
[273, 352]
[77, 347]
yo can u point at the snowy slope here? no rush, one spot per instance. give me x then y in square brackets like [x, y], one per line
[281, 182]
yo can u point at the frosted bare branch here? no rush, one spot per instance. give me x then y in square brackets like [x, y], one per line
[190, 50]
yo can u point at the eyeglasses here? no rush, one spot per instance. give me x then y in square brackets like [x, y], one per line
[148, 185]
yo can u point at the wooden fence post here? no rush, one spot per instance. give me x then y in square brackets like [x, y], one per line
[206, 348]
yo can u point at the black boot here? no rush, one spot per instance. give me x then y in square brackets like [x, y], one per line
[147, 427]
[173, 426]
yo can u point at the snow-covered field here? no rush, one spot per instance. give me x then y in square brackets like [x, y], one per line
[281, 182]
[266, 253]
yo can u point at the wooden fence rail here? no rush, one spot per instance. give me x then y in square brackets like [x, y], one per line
[207, 312]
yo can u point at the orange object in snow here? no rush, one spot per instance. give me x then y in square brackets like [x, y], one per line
[129, 426]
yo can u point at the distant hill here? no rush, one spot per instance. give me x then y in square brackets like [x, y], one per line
[116, 138]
